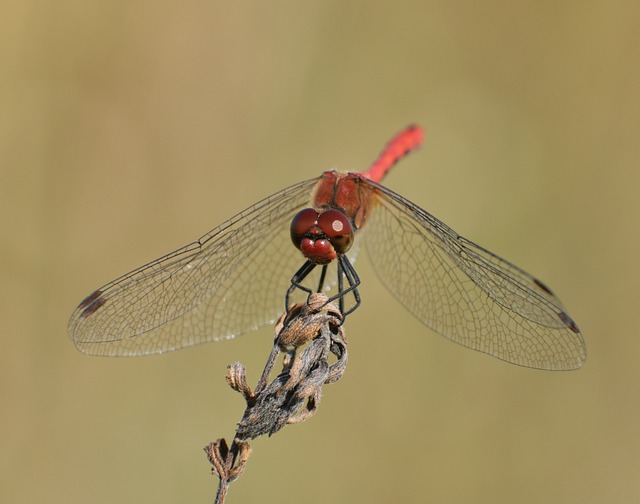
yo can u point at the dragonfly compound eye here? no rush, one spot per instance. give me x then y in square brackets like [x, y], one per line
[337, 228]
[302, 224]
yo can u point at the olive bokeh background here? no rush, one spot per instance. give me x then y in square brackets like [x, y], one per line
[130, 128]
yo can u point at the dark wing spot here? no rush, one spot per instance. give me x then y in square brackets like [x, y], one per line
[568, 321]
[543, 287]
[90, 299]
[91, 304]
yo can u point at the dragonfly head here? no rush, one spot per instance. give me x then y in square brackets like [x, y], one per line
[321, 236]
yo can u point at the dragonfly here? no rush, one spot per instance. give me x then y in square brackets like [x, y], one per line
[231, 281]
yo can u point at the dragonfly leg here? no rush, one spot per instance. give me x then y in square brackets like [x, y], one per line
[296, 281]
[322, 277]
[346, 268]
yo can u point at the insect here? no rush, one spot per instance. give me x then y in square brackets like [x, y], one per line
[232, 280]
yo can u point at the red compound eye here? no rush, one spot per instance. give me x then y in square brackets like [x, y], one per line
[337, 228]
[303, 223]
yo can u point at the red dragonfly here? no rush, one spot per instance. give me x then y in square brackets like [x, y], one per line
[232, 280]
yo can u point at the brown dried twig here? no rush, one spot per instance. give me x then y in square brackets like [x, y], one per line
[308, 334]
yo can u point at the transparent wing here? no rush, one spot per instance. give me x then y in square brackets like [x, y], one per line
[230, 281]
[465, 292]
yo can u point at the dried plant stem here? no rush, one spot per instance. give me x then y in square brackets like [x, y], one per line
[308, 334]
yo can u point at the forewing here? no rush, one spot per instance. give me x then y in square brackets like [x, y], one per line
[230, 281]
[465, 292]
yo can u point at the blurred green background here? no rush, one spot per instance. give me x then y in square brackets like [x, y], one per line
[130, 128]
